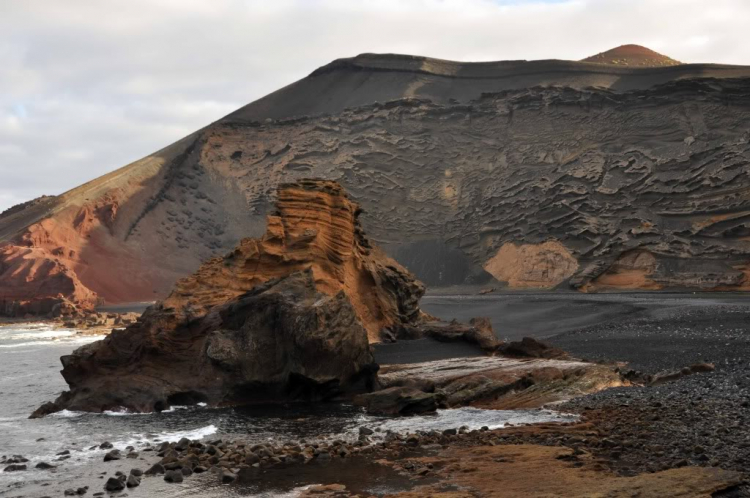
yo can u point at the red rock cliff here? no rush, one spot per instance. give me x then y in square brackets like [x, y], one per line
[316, 226]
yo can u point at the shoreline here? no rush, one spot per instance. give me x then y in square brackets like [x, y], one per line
[688, 433]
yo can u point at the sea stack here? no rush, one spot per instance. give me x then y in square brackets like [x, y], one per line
[285, 317]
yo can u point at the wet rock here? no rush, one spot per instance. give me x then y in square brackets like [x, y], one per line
[398, 401]
[479, 332]
[531, 348]
[114, 484]
[136, 472]
[16, 467]
[364, 431]
[44, 466]
[105, 446]
[182, 444]
[133, 481]
[46, 409]
[112, 455]
[174, 476]
[156, 469]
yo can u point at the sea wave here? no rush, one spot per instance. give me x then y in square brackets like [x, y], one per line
[41, 334]
[473, 418]
[74, 339]
[169, 436]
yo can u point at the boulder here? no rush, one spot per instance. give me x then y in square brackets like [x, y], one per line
[174, 476]
[114, 484]
[15, 467]
[155, 469]
[133, 481]
[479, 332]
[398, 401]
[112, 455]
[281, 341]
[529, 347]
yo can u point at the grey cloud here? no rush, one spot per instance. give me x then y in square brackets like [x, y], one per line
[88, 86]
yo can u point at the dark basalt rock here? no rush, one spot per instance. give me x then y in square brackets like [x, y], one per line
[133, 481]
[14, 467]
[282, 341]
[114, 484]
[479, 332]
[174, 476]
[532, 348]
[398, 401]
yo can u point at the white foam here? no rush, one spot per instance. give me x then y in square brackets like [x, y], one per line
[71, 339]
[174, 408]
[67, 414]
[473, 418]
[194, 434]
[25, 344]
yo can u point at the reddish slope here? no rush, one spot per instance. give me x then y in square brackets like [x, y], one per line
[632, 56]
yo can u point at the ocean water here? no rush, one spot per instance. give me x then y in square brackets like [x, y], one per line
[29, 376]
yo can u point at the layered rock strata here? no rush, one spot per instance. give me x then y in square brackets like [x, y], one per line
[517, 171]
[285, 317]
[495, 382]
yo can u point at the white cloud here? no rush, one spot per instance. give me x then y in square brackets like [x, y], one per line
[104, 82]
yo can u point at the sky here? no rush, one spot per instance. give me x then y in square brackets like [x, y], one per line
[87, 86]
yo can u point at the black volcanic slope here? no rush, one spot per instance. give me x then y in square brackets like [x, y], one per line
[542, 174]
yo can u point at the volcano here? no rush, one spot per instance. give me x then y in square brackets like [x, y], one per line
[632, 56]
[530, 174]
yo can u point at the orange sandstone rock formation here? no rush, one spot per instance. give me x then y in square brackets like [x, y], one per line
[316, 225]
[544, 265]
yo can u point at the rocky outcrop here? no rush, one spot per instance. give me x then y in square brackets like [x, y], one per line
[40, 268]
[282, 341]
[460, 168]
[537, 266]
[35, 282]
[528, 347]
[284, 317]
[399, 401]
[494, 382]
[478, 331]
[315, 226]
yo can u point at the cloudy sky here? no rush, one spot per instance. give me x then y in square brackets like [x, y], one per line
[87, 86]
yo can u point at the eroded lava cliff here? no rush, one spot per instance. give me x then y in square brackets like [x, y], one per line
[541, 174]
[285, 317]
